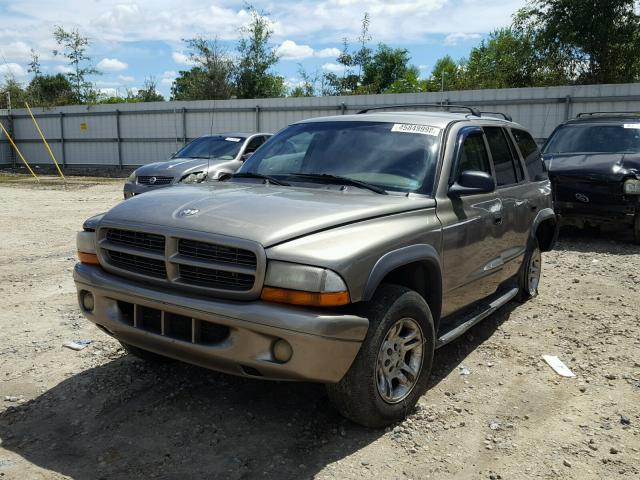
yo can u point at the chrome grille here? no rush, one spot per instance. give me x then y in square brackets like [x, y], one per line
[148, 241]
[149, 180]
[197, 262]
[216, 253]
[208, 277]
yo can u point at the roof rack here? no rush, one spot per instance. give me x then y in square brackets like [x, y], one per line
[506, 116]
[593, 114]
[444, 106]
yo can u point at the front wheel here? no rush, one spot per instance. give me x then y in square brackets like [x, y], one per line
[393, 365]
[636, 228]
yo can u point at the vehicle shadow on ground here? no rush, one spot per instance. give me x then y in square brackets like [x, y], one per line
[130, 419]
[607, 239]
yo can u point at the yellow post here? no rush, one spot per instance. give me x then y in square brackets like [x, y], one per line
[18, 150]
[45, 141]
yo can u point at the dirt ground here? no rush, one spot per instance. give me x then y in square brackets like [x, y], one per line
[495, 409]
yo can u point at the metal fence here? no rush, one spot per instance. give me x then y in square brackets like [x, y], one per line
[125, 135]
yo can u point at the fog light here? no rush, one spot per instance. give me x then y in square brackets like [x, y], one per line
[282, 351]
[87, 301]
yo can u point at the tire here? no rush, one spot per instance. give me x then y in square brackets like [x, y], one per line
[636, 228]
[394, 310]
[530, 273]
[145, 355]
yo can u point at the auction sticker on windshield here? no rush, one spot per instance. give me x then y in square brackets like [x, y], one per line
[411, 128]
[233, 139]
[632, 125]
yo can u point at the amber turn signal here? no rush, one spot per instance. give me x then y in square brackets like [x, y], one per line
[88, 258]
[298, 297]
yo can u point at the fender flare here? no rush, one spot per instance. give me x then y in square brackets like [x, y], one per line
[404, 256]
[542, 216]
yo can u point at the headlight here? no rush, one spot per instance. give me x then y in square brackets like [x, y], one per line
[195, 177]
[304, 285]
[132, 178]
[632, 187]
[86, 246]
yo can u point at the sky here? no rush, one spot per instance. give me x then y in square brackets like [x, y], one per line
[131, 41]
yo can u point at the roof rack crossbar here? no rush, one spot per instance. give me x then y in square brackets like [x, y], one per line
[506, 116]
[444, 106]
[592, 114]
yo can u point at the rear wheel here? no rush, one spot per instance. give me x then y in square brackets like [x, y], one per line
[393, 365]
[145, 354]
[530, 272]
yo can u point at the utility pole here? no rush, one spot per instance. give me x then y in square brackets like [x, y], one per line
[10, 128]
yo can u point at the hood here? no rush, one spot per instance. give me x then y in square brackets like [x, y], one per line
[594, 166]
[267, 214]
[179, 167]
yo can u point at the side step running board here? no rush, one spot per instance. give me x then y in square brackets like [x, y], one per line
[467, 324]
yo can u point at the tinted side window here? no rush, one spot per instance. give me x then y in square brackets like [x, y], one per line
[502, 159]
[474, 155]
[516, 158]
[531, 154]
[254, 143]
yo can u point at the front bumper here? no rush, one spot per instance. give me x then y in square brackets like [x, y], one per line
[131, 189]
[324, 344]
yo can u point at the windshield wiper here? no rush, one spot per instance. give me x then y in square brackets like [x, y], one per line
[327, 178]
[268, 178]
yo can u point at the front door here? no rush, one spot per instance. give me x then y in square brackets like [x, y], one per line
[471, 256]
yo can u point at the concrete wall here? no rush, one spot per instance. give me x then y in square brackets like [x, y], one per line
[135, 134]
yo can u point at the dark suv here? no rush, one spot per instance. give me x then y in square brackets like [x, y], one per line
[345, 251]
[594, 166]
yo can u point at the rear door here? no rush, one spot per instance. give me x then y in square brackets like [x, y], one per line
[513, 190]
[471, 256]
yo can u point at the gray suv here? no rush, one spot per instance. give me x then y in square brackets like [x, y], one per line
[205, 157]
[345, 251]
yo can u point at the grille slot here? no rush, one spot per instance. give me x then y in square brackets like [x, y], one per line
[146, 180]
[149, 319]
[221, 279]
[129, 238]
[135, 263]
[216, 253]
[172, 325]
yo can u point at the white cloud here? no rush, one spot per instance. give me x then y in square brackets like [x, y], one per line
[112, 65]
[109, 91]
[333, 67]
[454, 38]
[168, 77]
[63, 69]
[423, 67]
[126, 78]
[290, 50]
[12, 69]
[182, 59]
[327, 52]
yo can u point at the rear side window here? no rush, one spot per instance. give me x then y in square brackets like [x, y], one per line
[503, 161]
[531, 154]
[474, 155]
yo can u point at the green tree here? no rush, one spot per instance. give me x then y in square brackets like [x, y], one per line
[149, 92]
[73, 47]
[50, 90]
[595, 42]
[211, 78]
[253, 75]
[447, 74]
[386, 67]
[12, 89]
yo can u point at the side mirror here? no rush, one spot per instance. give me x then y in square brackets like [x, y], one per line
[246, 156]
[472, 181]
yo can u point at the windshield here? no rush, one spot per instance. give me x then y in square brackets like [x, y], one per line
[223, 148]
[622, 138]
[400, 157]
